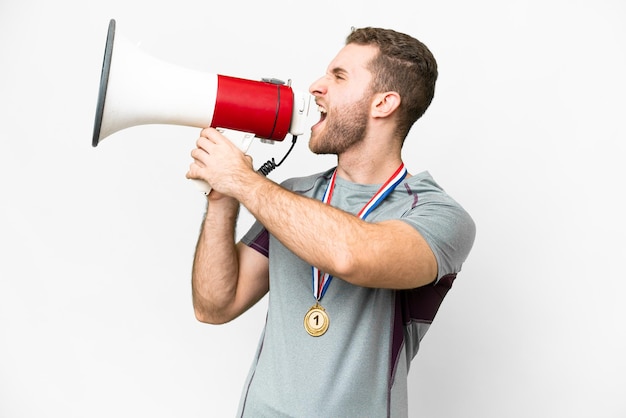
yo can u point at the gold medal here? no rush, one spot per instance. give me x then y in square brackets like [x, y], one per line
[316, 321]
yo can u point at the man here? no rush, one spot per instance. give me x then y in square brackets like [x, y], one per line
[356, 259]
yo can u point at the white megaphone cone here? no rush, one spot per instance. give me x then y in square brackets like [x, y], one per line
[138, 89]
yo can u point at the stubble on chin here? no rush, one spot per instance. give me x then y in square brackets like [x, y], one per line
[339, 134]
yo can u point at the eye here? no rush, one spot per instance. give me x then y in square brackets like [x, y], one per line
[339, 74]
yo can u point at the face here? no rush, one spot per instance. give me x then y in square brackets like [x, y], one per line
[344, 98]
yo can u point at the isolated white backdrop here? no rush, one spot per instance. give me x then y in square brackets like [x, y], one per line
[526, 131]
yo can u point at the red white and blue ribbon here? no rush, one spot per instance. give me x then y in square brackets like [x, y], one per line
[322, 280]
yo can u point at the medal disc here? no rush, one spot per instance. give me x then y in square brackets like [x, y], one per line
[316, 321]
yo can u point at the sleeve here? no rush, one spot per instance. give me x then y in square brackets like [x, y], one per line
[258, 239]
[447, 228]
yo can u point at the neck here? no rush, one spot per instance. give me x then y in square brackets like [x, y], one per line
[367, 169]
[373, 159]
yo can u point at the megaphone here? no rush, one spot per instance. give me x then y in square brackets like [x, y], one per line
[138, 89]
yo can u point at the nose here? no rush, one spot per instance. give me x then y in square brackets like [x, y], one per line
[318, 87]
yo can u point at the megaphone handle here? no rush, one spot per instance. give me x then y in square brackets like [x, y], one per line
[242, 140]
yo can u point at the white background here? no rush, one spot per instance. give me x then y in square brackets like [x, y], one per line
[526, 131]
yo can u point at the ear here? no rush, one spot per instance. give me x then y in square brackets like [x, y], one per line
[384, 104]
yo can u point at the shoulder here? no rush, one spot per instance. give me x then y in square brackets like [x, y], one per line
[307, 184]
[426, 193]
[442, 221]
[423, 183]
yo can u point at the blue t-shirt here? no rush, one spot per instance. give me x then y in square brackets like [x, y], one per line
[359, 367]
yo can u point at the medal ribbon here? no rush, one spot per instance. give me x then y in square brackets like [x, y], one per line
[322, 280]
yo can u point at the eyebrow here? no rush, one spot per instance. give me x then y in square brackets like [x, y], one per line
[339, 71]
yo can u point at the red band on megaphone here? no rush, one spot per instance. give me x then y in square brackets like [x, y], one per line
[259, 107]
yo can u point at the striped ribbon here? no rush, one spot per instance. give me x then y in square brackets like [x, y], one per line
[322, 280]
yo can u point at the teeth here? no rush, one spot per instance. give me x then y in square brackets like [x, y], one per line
[321, 109]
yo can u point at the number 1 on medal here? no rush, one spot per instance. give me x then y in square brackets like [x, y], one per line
[316, 321]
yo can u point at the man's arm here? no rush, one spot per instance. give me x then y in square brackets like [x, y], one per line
[390, 254]
[227, 278]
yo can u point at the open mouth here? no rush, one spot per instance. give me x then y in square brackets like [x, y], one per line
[322, 111]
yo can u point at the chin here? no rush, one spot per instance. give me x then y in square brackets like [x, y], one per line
[313, 140]
[314, 146]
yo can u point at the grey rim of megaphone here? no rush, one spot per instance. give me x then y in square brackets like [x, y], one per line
[104, 81]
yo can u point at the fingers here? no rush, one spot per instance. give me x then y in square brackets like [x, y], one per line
[212, 135]
[200, 154]
[197, 154]
[208, 132]
[216, 159]
[203, 143]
